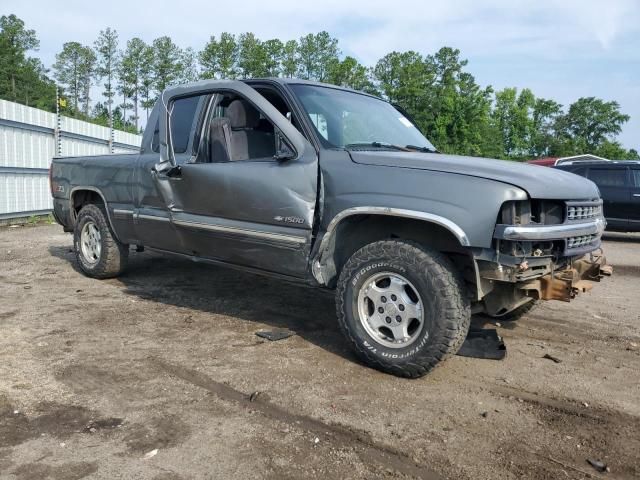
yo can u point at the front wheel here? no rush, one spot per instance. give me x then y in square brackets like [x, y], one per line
[98, 251]
[403, 307]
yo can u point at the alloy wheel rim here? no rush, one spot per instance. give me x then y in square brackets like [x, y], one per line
[390, 309]
[91, 242]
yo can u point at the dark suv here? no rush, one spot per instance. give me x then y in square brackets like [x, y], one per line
[619, 184]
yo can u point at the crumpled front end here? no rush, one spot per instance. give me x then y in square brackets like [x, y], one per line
[543, 250]
[565, 284]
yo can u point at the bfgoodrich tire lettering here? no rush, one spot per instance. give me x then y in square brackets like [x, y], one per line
[442, 295]
[113, 255]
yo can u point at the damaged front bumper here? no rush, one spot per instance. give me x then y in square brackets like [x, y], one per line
[541, 261]
[566, 283]
[504, 288]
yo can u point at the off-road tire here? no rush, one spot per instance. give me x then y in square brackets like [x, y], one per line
[516, 314]
[447, 312]
[113, 255]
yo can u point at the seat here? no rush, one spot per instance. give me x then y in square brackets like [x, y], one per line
[219, 140]
[247, 141]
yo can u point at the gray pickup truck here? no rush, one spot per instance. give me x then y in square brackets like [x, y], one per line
[337, 189]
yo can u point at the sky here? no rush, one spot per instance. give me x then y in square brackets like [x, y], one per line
[560, 49]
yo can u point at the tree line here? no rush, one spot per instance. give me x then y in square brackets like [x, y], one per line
[456, 113]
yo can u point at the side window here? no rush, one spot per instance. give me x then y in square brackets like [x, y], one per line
[182, 120]
[636, 176]
[608, 177]
[239, 131]
[320, 122]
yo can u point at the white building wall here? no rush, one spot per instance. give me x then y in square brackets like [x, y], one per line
[27, 145]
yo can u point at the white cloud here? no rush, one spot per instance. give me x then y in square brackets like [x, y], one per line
[542, 34]
[366, 27]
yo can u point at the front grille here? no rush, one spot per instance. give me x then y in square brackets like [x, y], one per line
[583, 212]
[581, 241]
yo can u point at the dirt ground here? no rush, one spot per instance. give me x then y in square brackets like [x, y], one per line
[97, 376]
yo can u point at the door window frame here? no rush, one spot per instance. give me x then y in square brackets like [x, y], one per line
[308, 130]
[291, 135]
[216, 97]
[183, 158]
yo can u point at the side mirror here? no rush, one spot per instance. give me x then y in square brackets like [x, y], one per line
[284, 151]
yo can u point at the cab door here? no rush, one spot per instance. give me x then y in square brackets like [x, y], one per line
[613, 183]
[152, 213]
[256, 212]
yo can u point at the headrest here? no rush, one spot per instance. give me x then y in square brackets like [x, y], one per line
[242, 115]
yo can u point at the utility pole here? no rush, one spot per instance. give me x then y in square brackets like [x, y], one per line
[111, 133]
[56, 130]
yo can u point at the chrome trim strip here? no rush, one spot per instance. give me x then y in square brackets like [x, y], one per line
[317, 267]
[242, 231]
[549, 232]
[152, 217]
[118, 211]
[396, 212]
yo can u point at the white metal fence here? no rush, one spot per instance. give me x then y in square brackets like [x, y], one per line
[29, 139]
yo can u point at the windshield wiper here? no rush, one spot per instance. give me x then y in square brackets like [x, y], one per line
[376, 145]
[421, 149]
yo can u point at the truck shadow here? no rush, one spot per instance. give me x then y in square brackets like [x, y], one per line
[270, 303]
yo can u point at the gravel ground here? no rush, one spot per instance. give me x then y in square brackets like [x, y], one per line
[150, 376]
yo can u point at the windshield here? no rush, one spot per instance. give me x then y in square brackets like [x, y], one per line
[346, 119]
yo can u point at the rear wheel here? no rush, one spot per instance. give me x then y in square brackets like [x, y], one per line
[98, 252]
[518, 313]
[402, 306]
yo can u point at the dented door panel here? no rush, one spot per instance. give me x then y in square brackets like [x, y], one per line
[256, 213]
[247, 212]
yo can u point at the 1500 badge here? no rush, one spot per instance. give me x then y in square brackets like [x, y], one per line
[288, 219]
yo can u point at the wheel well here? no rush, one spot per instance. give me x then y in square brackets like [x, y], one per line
[81, 198]
[356, 231]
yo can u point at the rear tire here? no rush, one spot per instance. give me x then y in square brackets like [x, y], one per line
[518, 313]
[403, 307]
[98, 252]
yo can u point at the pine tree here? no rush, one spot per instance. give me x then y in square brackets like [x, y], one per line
[108, 59]
[75, 70]
[22, 79]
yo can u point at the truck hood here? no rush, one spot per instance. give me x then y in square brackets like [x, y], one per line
[537, 181]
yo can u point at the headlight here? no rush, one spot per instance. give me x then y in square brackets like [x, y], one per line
[525, 212]
[516, 212]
